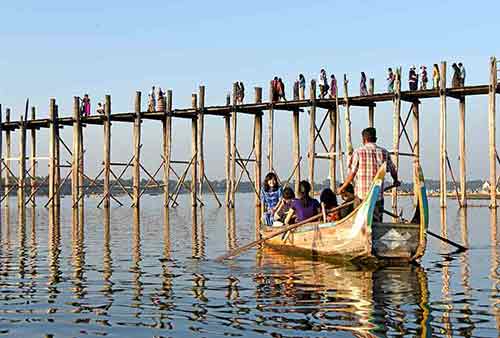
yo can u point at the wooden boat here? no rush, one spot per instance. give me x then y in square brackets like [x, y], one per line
[357, 237]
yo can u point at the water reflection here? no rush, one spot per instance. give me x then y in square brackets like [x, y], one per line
[495, 268]
[367, 302]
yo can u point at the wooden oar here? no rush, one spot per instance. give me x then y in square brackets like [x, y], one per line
[446, 240]
[237, 251]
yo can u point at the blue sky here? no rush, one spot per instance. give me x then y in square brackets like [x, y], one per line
[65, 48]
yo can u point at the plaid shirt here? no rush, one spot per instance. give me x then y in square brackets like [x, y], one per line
[364, 163]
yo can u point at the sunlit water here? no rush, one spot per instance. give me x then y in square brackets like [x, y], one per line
[156, 279]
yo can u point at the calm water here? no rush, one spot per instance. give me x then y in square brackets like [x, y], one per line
[151, 279]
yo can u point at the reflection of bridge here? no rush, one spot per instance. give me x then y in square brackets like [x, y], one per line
[237, 164]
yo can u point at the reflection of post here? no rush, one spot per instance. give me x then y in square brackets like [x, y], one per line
[136, 258]
[464, 264]
[78, 260]
[33, 245]
[495, 267]
[21, 226]
[107, 264]
[445, 290]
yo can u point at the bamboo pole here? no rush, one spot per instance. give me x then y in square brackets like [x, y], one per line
[107, 150]
[137, 151]
[371, 108]
[8, 154]
[227, 143]
[22, 164]
[396, 130]
[33, 161]
[348, 133]
[492, 132]
[75, 187]
[234, 121]
[167, 149]
[200, 140]
[296, 147]
[442, 137]
[462, 150]
[270, 132]
[312, 133]
[258, 162]
[52, 162]
[194, 153]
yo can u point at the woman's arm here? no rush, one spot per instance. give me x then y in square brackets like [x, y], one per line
[323, 211]
[289, 216]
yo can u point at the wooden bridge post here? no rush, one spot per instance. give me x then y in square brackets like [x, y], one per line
[167, 148]
[22, 164]
[33, 161]
[57, 168]
[296, 147]
[200, 140]
[442, 136]
[52, 157]
[312, 134]
[2, 188]
[492, 132]
[462, 151]
[234, 120]
[333, 148]
[348, 130]
[395, 135]
[8, 154]
[81, 176]
[194, 153]
[258, 162]
[270, 131]
[227, 142]
[137, 150]
[107, 150]
[416, 136]
[75, 163]
[371, 108]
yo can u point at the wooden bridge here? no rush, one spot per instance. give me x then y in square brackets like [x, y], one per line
[236, 165]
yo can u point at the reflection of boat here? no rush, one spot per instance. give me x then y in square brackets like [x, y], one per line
[357, 237]
[362, 300]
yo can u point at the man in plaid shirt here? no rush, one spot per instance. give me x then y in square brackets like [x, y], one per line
[363, 166]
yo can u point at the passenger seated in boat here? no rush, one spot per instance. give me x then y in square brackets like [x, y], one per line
[347, 197]
[329, 201]
[303, 207]
[270, 195]
[283, 206]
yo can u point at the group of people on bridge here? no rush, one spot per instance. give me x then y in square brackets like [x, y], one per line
[282, 207]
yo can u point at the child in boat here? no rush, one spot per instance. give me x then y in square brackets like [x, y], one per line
[329, 201]
[270, 195]
[347, 196]
[303, 207]
[283, 206]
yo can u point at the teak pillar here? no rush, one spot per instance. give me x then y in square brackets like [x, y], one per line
[137, 151]
[194, 154]
[167, 148]
[258, 162]
[416, 137]
[312, 134]
[75, 164]
[492, 132]
[200, 140]
[462, 150]
[22, 164]
[33, 161]
[348, 130]
[395, 134]
[107, 150]
[270, 131]
[296, 148]
[333, 149]
[227, 143]
[234, 120]
[442, 136]
[2, 188]
[371, 108]
[8, 154]
[52, 157]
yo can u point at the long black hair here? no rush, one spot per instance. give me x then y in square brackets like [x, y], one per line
[328, 198]
[304, 190]
[269, 177]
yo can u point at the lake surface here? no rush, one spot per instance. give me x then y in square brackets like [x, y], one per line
[125, 278]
